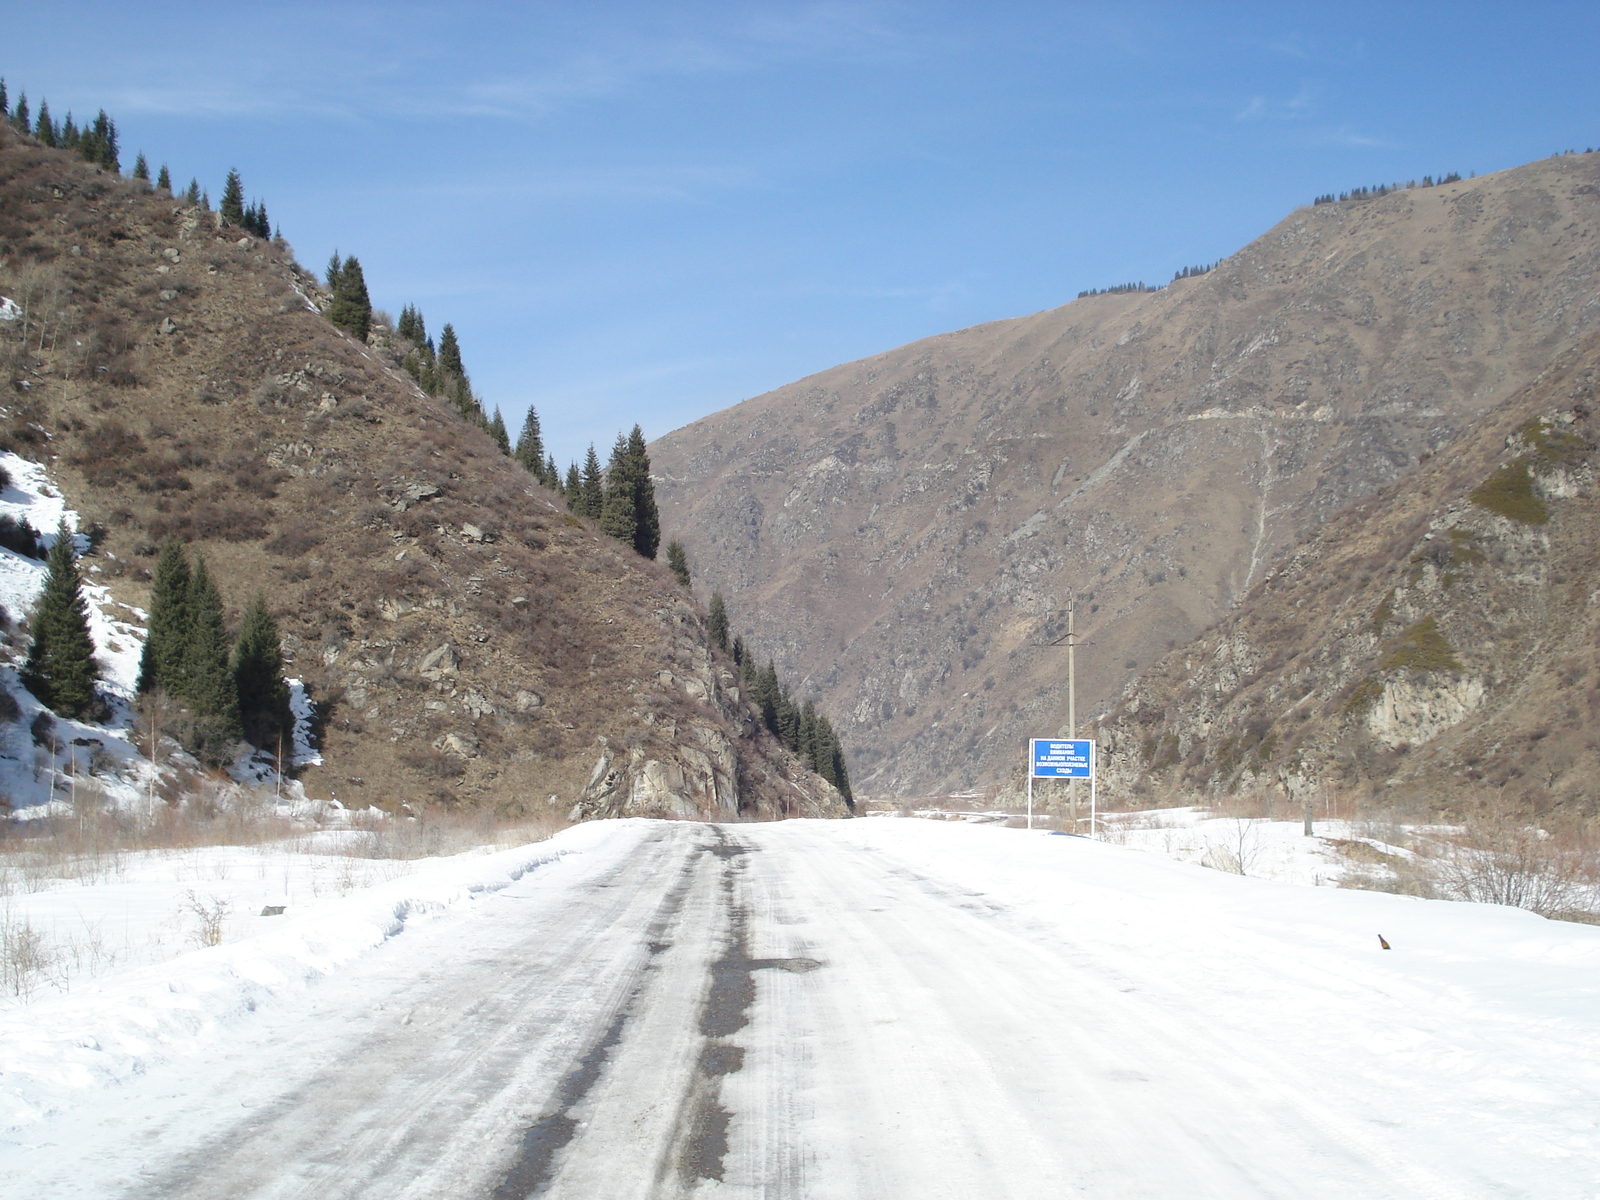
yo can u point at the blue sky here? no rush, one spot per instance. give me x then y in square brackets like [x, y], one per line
[649, 211]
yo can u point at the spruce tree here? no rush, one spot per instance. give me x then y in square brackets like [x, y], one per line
[591, 491]
[105, 143]
[232, 207]
[617, 514]
[678, 562]
[411, 325]
[166, 642]
[351, 308]
[19, 115]
[141, 169]
[646, 517]
[498, 431]
[5, 104]
[208, 686]
[530, 445]
[71, 138]
[164, 179]
[449, 355]
[551, 475]
[573, 488]
[739, 653]
[717, 621]
[191, 194]
[335, 271]
[61, 669]
[44, 129]
[257, 670]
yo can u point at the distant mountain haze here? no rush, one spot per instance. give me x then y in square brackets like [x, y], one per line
[903, 533]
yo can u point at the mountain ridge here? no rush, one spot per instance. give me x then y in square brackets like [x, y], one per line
[903, 532]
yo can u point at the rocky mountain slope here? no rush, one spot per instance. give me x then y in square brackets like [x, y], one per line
[468, 640]
[903, 532]
[1437, 647]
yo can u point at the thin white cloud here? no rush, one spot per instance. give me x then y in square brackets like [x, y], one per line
[1264, 108]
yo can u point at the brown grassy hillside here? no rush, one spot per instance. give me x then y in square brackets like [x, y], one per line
[903, 532]
[468, 640]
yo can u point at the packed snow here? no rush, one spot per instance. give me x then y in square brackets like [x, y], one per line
[935, 1009]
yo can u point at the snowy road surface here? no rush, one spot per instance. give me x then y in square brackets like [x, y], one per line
[882, 1009]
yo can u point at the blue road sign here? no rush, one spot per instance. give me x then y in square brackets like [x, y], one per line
[1056, 758]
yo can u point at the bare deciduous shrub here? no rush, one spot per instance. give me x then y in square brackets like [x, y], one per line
[1500, 860]
[209, 914]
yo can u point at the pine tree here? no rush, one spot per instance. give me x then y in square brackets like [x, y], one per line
[617, 514]
[573, 488]
[591, 490]
[44, 130]
[739, 653]
[19, 115]
[105, 143]
[646, 517]
[551, 475]
[5, 104]
[678, 562]
[71, 137]
[164, 180]
[141, 169]
[449, 356]
[717, 621]
[806, 745]
[191, 194]
[257, 669]
[166, 643]
[530, 445]
[498, 431]
[208, 686]
[61, 669]
[411, 325]
[351, 308]
[232, 207]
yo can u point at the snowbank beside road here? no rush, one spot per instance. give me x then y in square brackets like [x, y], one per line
[122, 1024]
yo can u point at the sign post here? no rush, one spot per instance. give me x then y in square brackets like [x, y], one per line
[1062, 758]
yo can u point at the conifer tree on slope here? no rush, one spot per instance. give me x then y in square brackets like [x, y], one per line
[351, 307]
[449, 356]
[61, 669]
[162, 663]
[717, 620]
[678, 562]
[646, 517]
[573, 488]
[530, 446]
[164, 180]
[257, 670]
[232, 207]
[617, 514]
[497, 430]
[209, 688]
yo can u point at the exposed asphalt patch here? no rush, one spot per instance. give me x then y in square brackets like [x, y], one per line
[725, 1011]
[549, 1135]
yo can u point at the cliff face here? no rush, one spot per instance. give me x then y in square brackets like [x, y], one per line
[1438, 646]
[902, 533]
[467, 639]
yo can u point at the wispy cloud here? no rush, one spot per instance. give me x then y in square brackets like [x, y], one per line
[1267, 108]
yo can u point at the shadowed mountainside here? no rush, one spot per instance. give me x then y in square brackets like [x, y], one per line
[903, 532]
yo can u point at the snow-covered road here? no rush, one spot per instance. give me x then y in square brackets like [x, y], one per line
[884, 1009]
